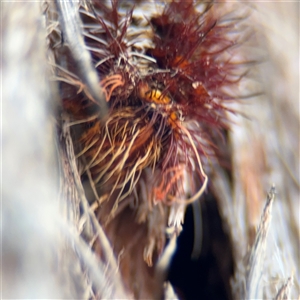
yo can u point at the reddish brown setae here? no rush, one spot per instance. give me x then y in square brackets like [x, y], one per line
[166, 80]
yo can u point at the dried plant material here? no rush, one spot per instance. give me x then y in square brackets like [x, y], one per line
[284, 291]
[169, 293]
[70, 22]
[258, 252]
[29, 207]
[99, 273]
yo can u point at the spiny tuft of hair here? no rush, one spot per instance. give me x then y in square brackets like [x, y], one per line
[167, 80]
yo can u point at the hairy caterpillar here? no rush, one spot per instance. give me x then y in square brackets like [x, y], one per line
[168, 81]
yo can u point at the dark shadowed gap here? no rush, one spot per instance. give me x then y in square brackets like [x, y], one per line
[208, 276]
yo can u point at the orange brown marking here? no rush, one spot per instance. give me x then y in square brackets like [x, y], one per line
[115, 81]
[153, 95]
[162, 190]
